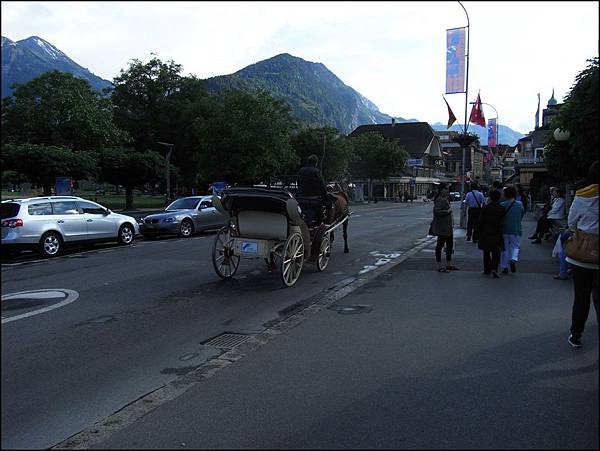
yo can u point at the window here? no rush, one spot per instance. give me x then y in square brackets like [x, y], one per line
[65, 208]
[184, 204]
[206, 204]
[40, 209]
[9, 210]
[91, 207]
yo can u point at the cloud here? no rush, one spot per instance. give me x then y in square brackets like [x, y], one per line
[391, 52]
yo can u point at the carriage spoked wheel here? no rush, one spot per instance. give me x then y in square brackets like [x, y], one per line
[224, 260]
[324, 253]
[291, 259]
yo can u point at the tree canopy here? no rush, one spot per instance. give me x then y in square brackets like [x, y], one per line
[246, 139]
[41, 164]
[578, 115]
[375, 157]
[327, 140]
[58, 109]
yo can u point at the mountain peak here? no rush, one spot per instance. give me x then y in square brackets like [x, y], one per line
[29, 58]
[44, 46]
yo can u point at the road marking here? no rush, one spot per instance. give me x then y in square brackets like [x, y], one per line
[52, 293]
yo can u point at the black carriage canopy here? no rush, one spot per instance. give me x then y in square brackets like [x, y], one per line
[272, 200]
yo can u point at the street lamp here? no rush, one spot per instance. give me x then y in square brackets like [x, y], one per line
[561, 136]
[167, 176]
[462, 170]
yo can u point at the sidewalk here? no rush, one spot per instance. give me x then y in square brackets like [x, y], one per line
[418, 359]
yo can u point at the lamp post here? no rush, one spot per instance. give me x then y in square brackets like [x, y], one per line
[462, 170]
[167, 166]
[561, 136]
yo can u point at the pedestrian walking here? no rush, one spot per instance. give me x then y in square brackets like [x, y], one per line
[442, 227]
[474, 200]
[490, 233]
[583, 216]
[511, 230]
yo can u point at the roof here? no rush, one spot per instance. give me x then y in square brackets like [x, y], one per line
[537, 137]
[415, 137]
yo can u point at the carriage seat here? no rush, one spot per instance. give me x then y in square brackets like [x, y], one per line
[262, 225]
[312, 208]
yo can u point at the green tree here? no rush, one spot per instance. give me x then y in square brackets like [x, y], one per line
[58, 109]
[328, 140]
[579, 115]
[129, 168]
[375, 157]
[247, 138]
[155, 103]
[41, 164]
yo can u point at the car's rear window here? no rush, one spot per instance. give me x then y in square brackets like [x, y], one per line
[9, 210]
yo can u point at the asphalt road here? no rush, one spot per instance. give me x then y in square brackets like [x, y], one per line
[134, 318]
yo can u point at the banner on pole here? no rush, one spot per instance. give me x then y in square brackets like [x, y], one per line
[492, 132]
[455, 60]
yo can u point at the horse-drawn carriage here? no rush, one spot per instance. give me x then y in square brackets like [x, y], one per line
[274, 225]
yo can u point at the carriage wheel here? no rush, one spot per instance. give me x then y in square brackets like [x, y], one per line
[292, 258]
[324, 253]
[224, 260]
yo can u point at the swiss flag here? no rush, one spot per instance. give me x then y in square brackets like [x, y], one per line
[477, 113]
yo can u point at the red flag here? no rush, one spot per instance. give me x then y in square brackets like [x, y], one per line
[451, 116]
[477, 113]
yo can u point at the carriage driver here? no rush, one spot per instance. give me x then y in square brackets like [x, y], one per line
[311, 183]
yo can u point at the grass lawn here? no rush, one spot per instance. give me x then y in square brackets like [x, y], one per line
[112, 201]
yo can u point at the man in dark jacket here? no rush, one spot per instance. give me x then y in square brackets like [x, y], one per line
[310, 180]
[490, 233]
[311, 184]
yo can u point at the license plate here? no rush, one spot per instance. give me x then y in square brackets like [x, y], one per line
[248, 247]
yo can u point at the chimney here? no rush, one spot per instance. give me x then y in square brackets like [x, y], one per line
[393, 121]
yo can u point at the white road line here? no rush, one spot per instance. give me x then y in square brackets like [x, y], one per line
[52, 293]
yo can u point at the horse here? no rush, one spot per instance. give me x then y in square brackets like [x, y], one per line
[340, 210]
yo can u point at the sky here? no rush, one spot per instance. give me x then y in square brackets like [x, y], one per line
[393, 53]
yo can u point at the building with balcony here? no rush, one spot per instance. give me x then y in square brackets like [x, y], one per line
[425, 165]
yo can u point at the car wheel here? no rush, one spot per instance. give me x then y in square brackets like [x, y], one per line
[186, 228]
[125, 234]
[50, 244]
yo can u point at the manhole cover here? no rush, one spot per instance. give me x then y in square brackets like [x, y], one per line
[226, 340]
[351, 309]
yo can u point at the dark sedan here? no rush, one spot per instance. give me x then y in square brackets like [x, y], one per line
[184, 217]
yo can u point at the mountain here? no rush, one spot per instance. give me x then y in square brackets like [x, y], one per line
[506, 135]
[315, 94]
[29, 58]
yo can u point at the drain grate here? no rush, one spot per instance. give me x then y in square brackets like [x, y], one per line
[226, 340]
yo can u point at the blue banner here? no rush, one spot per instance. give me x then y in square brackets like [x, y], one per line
[455, 60]
[492, 132]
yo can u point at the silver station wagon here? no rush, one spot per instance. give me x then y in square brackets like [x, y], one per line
[46, 224]
[184, 217]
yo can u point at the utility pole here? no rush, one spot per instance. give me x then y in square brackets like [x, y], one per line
[167, 174]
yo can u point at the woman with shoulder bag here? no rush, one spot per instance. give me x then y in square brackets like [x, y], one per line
[583, 221]
[441, 226]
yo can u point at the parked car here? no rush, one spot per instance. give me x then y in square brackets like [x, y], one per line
[184, 217]
[46, 224]
[454, 195]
